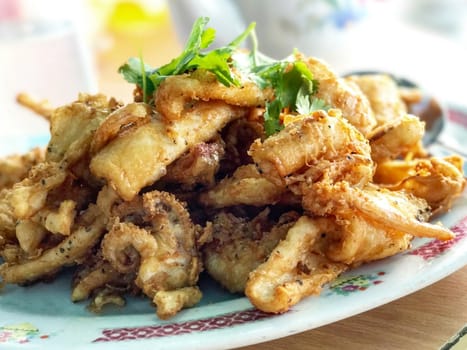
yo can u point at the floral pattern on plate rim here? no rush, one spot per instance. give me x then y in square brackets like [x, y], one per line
[21, 333]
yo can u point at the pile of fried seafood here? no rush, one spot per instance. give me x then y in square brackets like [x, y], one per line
[140, 198]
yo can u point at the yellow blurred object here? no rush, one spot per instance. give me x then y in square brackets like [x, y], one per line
[131, 28]
[133, 16]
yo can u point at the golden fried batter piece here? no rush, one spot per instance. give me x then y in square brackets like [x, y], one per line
[304, 143]
[140, 157]
[397, 138]
[343, 94]
[314, 252]
[347, 97]
[383, 94]
[89, 228]
[105, 296]
[421, 176]
[170, 302]
[292, 271]
[176, 95]
[118, 122]
[246, 186]
[15, 168]
[354, 240]
[239, 245]
[28, 196]
[72, 127]
[393, 209]
[7, 217]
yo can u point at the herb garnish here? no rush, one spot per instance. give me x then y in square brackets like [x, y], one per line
[290, 79]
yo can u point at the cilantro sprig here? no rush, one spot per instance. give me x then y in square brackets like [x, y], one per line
[291, 80]
[192, 57]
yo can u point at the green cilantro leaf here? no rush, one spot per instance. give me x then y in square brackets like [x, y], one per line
[271, 117]
[290, 79]
[217, 61]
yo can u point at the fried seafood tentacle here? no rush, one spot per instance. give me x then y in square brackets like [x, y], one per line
[42, 108]
[68, 252]
[119, 242]
[163, 237]
[292, 270]
[176, 237]
[302, 144]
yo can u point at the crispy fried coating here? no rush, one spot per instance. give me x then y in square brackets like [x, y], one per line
[354, 240]
[198, 166]
[158, 228]
[383, 94]
[140, 157]
[396, 138]
[91, 278]
[170, 302]
[397, 209]
[347, 97]
[239, 245]
[29, 235]
[302, 144]
[421, 176]
[341, 93]
[15, 168]
[29, 195]
[178, 93]
[118, 122]
[68, 252]
[246, 186]
[292, 271]
[72, 127]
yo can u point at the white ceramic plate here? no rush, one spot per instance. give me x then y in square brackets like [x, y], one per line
[42, 316]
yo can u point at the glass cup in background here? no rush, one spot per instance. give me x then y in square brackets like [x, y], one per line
[48, 61]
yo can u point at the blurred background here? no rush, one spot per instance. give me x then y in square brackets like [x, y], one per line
[54, 49]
